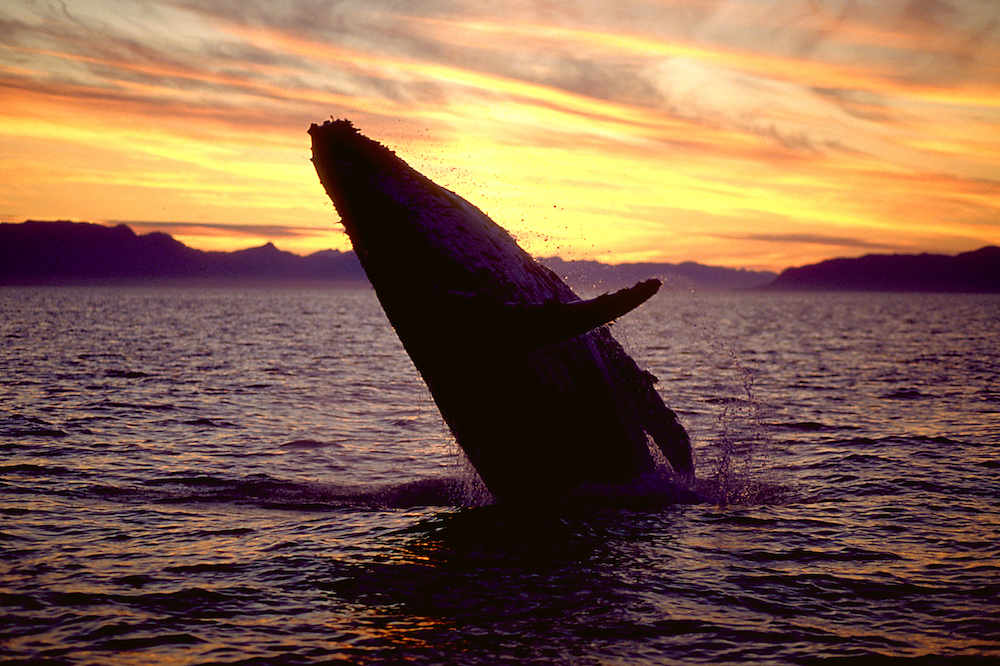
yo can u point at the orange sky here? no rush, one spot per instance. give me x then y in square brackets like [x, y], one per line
[745, 133]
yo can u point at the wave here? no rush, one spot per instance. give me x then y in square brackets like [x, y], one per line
[268, 492]
[657, 489]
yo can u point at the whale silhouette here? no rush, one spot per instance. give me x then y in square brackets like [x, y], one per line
[535, 389]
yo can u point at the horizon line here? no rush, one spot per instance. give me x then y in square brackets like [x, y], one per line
[148, 227]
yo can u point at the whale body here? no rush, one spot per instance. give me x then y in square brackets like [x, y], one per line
[527, 375]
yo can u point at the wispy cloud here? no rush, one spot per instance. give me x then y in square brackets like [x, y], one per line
[817, 239]
[199, 228]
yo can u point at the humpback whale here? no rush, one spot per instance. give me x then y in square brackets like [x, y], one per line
[527, 375]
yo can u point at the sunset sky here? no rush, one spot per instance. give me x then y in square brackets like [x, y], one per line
[744, 133]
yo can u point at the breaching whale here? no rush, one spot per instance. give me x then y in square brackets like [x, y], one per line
[528, 377]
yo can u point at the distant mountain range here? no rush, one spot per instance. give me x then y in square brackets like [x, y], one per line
[593, 276]
[34, 253]
[972, 272]
[58, 253]
[62, 253]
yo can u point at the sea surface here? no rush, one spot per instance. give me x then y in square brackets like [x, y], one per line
[259, 476]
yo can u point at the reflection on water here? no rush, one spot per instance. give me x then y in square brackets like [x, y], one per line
[218, 476]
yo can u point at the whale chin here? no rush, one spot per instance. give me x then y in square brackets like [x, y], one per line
[536, 390]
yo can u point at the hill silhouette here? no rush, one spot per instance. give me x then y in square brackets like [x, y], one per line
[64, 253]
[593, 276]
[970, 272]
[61, 253]
[34, 253]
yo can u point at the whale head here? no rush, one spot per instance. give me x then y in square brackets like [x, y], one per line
[400, 220]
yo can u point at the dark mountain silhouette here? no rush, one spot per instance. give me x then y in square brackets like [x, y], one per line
[58, 253]
[590, 276]
[977, 271]
[81, 253]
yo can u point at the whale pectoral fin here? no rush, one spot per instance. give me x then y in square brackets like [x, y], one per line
[558, 321]
[608, 307]
[530, 325]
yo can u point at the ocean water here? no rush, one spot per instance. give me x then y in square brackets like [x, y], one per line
[193, 476]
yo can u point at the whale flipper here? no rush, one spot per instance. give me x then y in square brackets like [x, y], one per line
[529, 325]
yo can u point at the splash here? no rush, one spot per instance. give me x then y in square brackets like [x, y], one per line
[738, 462]
[470, 490]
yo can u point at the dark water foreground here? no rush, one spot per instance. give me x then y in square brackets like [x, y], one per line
[199, 476]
